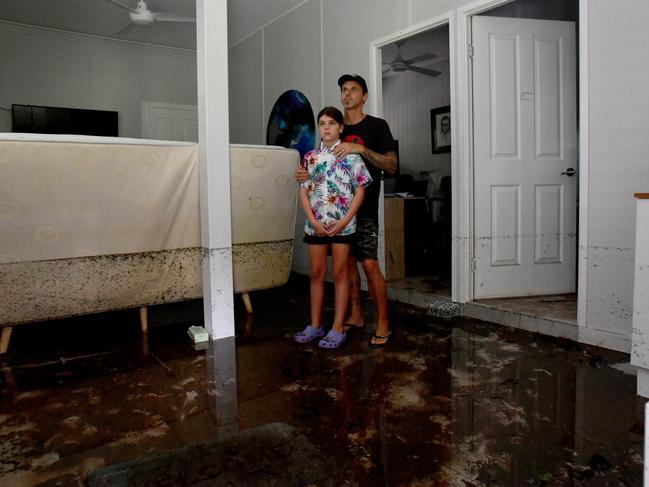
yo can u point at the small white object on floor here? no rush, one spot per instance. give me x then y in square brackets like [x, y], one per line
[198, 334]
[201, 345]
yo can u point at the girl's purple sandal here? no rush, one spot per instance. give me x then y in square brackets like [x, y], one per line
[308, 334]
[332, 340]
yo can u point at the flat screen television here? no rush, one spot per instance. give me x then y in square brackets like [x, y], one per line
[58, 120]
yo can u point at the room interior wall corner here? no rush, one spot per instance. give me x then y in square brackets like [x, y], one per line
[56, 68]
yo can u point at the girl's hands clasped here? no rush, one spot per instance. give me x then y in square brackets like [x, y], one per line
[319, 229]
[335, 227]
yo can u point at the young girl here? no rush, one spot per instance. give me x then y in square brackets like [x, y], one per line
[330, 198]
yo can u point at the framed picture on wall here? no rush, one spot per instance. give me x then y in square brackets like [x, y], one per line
[440, 124]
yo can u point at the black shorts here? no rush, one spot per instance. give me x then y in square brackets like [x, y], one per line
[366, 244]
[339, 239]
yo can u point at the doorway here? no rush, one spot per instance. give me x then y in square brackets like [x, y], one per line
[522, 144]
[415, 93]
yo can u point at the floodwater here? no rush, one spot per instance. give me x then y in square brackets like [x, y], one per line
[446, 403]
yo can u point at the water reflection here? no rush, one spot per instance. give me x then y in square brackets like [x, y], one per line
[222, 389]
[524, 413]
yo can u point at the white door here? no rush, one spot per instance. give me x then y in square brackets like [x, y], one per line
[164, 121]
[525, 137]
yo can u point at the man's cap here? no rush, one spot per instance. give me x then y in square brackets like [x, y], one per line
[353, 77]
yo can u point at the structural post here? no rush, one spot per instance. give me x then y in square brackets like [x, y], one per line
[640, 330]
[640, 320]
[646, 447]
[214, 139]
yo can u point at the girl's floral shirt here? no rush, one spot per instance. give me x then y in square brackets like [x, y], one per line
[331, 185]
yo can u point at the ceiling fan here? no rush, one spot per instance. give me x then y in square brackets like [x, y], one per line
[399, 65]
[141, 15]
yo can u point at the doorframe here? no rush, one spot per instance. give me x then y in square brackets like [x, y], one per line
[376, 107]
[464, 147]
[582, 123]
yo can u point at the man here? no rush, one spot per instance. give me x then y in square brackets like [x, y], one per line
[371, 138]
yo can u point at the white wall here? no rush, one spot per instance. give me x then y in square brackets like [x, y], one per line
[247, 125]
[408, 98]
[247, 16]
[52, 68]
[289, 64]
[618, 134]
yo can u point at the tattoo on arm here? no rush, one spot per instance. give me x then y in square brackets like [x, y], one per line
[386, 162]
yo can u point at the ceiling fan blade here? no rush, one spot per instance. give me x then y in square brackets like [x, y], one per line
[429, 72]
[421, 57]
[120, 4]
[162, 17]
[126, 29]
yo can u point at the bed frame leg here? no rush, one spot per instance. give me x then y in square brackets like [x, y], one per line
[4, 339]
[144, 325]
[247, 303]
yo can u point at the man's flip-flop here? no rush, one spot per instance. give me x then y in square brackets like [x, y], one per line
[332, 340]
[380, 337]
[352, 327]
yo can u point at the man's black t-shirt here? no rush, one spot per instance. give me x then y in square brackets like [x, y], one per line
[373, 133]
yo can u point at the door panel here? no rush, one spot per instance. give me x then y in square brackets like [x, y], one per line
[548, 206]
[547, 103]
[161, 121]
[190, 129]
[505, 201]
[504, 86]
[164, 128]
[524, 96]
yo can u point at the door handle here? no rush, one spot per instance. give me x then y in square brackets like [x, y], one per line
[569, 172]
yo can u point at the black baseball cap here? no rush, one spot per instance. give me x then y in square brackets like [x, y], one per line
[353, 77]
